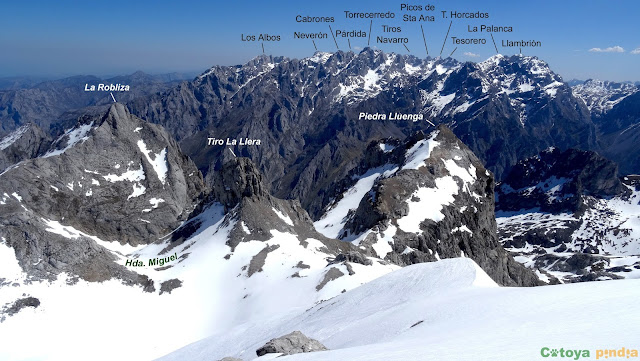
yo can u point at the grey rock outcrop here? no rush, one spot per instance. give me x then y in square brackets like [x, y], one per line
[113, 177]
[353, 256]
[295, 342]
[22, 303]
[332, 274]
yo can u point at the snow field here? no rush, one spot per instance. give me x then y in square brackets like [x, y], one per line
[464, 315]
[74, 135]
[215, 295]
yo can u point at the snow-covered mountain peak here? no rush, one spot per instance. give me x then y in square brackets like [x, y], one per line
[320, 57]
[369, 51]
[518, 67]
[491, 61]
[601, 96]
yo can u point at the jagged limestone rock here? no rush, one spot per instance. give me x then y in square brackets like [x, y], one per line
[295, 342]
[114, 177]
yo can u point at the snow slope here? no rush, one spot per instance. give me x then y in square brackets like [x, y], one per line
[218, 290]
[72, 137]
[11, 138]
[332, 222]
[446, 310]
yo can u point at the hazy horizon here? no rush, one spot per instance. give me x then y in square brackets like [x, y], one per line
[59, 39]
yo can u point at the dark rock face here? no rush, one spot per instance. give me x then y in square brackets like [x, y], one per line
[557, 180]
[170, 285]
[237, 179]
[113, 177]
[564, 211]
[295, 342]
[421, 210]
[332, 274]
[306, 112]
[257, 262]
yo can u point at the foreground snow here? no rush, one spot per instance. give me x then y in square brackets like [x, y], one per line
[447, 310]
[112, 321]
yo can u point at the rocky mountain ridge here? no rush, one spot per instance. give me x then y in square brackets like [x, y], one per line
[601, 96]
[115, 183]
[614, 109]
[307, 112]
[421, 200]
[26, 142]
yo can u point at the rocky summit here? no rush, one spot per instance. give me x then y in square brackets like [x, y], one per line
[295, 342]
[422, 200]
[112, 179]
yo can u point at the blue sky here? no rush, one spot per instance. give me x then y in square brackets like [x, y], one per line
[59, 38]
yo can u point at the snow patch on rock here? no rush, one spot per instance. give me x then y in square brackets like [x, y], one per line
[158, 161]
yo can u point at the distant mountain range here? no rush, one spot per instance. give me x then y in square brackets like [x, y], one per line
[55, 105]
[26, 82]
[504, 109]
[20, 82]
[615, 109]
